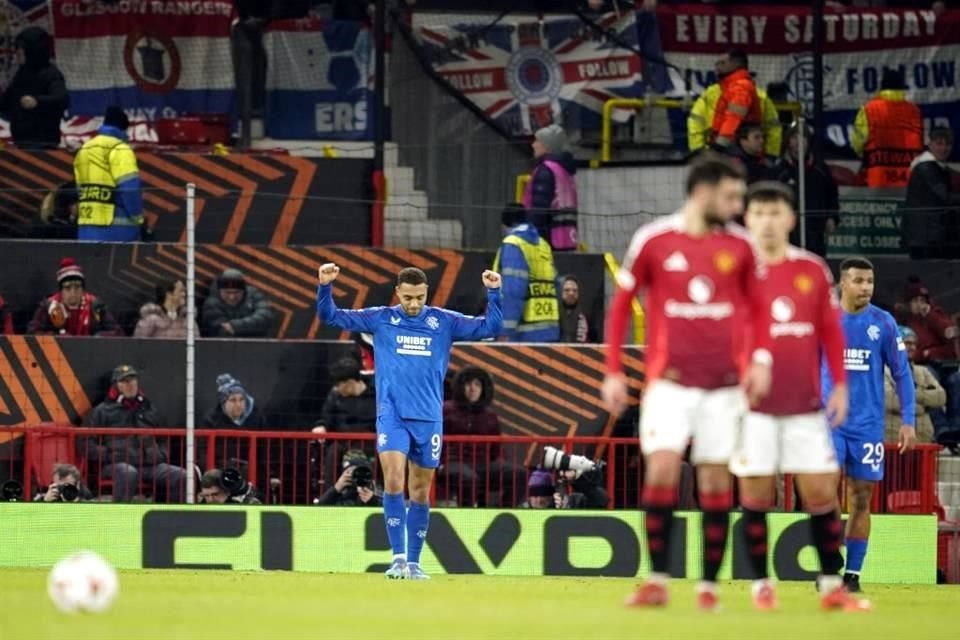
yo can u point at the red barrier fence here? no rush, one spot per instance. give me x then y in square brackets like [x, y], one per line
[299, 467]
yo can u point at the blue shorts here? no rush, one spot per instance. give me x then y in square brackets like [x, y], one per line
[420, 440]
[860, 456]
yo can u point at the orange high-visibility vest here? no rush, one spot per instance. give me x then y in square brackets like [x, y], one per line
[892, 139]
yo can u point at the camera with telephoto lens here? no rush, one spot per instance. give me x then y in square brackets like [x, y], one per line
[587, 472]
[67, 492]
[236, 486]
[362, 474]
[11, 491]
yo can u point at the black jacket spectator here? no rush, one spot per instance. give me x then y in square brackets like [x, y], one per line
[235, 309]
[822, 199]
[37, 79]
[117, 411]
[930, 218]
[544, 188]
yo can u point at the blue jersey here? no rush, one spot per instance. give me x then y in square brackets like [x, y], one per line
[411, 353]
[873, 342]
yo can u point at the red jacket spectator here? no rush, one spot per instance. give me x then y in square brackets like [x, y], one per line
[738, 101]
[72, 311]
[470, 414]
[6, 319]
[937, 335]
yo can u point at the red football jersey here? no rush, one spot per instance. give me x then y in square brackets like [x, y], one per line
[805, 322]
[699, 293]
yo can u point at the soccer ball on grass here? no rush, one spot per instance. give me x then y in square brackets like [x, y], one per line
[83, 581]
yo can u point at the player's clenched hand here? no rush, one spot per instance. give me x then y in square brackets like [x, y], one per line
[614, 393]
[491, 279]
[328, 273]
[756, 383]
[908, 438]
[837, 405]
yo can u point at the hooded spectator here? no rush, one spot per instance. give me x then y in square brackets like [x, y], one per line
[476, 473]
[72, 311]
[36, 98]
[234, 309]
[167, 317]
[930, 395]
[551, 194]
[350, 407]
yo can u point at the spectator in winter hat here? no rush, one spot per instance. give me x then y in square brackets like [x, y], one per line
[551, 190]
[937, 336]
[540, 490]
[72, 310]
[235, 409]
[234, 309]
[167, 317]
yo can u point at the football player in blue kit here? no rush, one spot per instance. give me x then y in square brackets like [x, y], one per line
[411, 342]
[872, 342]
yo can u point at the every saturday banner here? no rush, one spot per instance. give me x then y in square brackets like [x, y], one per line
[858, 45]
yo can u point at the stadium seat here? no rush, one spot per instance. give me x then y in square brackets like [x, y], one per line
[47, 449]
[911, 502]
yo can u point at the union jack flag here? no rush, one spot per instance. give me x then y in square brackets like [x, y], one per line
[524, 73]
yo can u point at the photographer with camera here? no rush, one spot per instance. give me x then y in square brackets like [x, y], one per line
[355, 486]
[583, 476]
[65, 486]
[227, 486]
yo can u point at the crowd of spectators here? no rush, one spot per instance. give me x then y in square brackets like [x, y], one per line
[232, 309]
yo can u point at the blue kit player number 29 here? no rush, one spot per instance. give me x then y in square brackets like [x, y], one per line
[872, 343]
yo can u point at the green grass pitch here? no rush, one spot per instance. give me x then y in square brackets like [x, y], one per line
[239, 606]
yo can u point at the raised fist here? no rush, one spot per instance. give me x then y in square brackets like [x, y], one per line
[328, 273]
[491, 279]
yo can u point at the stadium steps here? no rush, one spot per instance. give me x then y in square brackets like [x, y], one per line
[407, 223]
[948, 485]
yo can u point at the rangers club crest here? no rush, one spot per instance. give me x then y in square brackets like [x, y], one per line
[433, 323]
[534, 76]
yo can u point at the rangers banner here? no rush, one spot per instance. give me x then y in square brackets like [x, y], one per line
[154, 58]
[523, 72]
[319, 80]
[858, 44]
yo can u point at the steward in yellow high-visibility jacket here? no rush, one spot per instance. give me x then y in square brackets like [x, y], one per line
[110, 207]
[531, 306]
[700, 121]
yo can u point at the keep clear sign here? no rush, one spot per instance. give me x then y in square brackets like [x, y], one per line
[870, 223]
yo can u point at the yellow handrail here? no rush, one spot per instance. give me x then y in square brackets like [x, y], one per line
[522, 181]
[639, 318]
[606, 134]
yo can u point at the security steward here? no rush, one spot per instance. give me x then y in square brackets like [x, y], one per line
[531, 309]
[888, 133]
[738, 103]
[110, 207]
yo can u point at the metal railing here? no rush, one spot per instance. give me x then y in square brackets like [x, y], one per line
[296, 467]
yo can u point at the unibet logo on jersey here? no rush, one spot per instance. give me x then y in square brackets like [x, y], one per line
[414, 345]
[856, 359]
